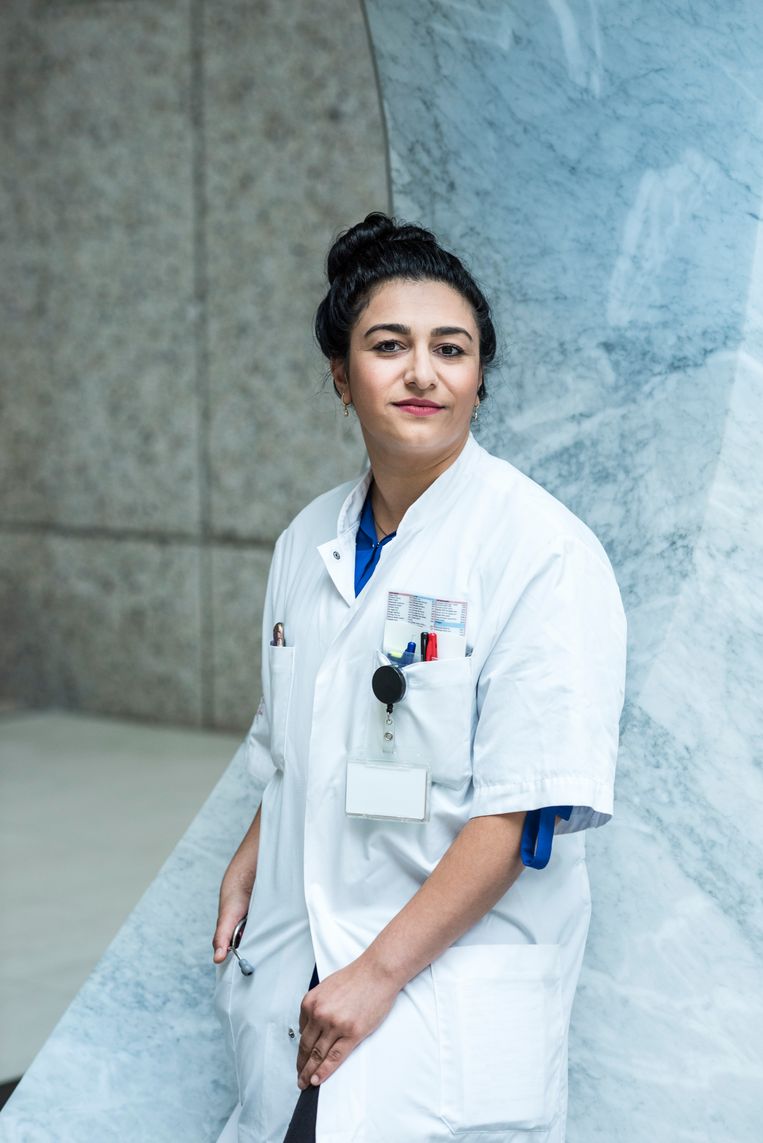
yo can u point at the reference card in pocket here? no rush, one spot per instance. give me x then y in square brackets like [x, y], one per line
[410, 615]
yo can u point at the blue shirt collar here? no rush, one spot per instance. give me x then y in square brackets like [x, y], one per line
[367, 547]
[366, 537]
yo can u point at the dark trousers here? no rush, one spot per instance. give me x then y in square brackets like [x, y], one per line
[302, 1126]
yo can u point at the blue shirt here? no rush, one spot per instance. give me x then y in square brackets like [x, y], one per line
[538, 831]
[367, 547]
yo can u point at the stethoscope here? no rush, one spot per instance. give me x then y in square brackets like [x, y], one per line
[246, 968]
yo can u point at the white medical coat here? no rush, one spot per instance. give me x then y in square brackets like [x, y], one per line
[476, 1044]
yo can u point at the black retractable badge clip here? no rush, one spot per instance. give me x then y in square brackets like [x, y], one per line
[388, 684]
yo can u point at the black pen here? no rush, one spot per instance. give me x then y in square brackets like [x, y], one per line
[278, 637]
[424, 641]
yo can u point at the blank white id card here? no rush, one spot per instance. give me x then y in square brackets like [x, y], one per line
[389, 791]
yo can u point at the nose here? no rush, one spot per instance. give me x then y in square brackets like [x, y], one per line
[421, 372]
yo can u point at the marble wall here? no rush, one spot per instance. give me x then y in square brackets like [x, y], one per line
[171, 176]
[602, 166]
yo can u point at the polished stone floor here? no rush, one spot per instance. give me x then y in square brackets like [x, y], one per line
[90, 808]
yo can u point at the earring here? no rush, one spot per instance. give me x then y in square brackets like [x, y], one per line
[346, 406]
[476, 412]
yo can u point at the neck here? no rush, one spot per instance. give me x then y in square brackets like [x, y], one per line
[395, 486]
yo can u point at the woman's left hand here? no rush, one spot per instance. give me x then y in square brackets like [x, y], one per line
[337, 1014]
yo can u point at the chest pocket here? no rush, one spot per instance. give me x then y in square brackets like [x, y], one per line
[433, 723]
[281, 667]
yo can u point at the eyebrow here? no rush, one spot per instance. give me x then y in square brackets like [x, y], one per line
[440, 331]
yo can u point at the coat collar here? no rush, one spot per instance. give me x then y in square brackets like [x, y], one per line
[338, 555]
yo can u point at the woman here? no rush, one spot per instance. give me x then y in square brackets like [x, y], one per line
[445, 979]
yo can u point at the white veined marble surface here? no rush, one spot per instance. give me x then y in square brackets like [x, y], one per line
[139, 1057]
[600, 165]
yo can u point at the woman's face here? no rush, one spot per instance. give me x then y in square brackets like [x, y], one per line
[413, 371]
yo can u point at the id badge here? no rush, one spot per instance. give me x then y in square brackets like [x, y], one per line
[387, 790]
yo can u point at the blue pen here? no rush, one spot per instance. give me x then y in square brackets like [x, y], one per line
[409, 654]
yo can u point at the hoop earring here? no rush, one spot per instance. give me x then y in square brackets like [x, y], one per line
[476, 412]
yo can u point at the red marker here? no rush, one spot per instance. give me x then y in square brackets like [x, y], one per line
[431, 648]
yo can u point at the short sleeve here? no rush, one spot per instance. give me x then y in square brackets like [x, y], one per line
[550, 693]
[257, 746]
[257, 742]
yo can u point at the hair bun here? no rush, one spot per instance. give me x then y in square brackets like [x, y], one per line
[374, 231]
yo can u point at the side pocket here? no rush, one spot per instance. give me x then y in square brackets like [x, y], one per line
[501, 1032]
[281, 667]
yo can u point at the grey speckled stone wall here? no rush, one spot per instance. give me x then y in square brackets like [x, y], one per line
[170, 177]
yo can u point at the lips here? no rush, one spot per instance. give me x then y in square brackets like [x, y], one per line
[420, 401]
[418, 406]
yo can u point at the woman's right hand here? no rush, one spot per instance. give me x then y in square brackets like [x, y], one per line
[233, 906]
[236, 890]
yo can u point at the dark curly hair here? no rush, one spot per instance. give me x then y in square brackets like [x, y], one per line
[374, 251]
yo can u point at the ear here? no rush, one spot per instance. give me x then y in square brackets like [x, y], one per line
[339, 375]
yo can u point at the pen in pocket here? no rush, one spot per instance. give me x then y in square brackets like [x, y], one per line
[278, 636]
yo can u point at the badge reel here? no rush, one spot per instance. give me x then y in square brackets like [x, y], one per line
[386, 787]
